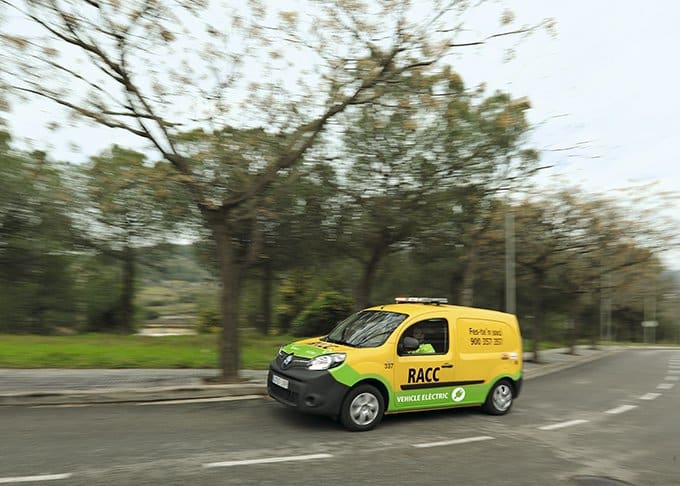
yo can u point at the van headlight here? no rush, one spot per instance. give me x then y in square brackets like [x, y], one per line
[326, 361]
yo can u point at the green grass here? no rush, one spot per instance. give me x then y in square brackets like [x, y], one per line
[116, 351]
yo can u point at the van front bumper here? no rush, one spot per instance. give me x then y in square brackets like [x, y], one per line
[309, 391]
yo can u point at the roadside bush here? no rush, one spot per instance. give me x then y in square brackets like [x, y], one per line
[293, 298]
[148, 314]
[322, 314]
[208, 320]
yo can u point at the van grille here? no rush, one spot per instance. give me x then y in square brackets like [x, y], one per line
[288, 397]
[296, 363]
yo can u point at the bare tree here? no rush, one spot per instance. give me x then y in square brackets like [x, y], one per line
[159, 69]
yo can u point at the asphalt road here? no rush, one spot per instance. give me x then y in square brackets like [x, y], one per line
[615, 418]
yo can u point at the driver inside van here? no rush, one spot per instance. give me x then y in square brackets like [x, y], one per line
[424, 348]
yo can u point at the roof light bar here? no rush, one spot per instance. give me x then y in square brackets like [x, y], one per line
[421, 300]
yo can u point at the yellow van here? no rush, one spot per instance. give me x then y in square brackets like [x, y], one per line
[416, 354]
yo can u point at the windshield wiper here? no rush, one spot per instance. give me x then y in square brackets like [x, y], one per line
[339, 341]
[371, 337]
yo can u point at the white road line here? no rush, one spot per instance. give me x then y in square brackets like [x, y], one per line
[201, 400]
[453, 442]
[650, 396]
[672, 378]
[64, 405]
[621, 409]
[561, 425]
[29, 479]
[267, 460]
[664, 386]
[674, 372]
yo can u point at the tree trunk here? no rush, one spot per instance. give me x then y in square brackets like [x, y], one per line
[455, 283]
[572, 331]
[467, 296]
[128, 290]
[362, 293]
[229, 270]
[538, 317]
[267, 285]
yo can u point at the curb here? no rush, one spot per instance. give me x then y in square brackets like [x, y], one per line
[189, 392]
[543, 370]
[129, 395]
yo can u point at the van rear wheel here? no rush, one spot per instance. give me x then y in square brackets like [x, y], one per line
[362, 409]
[499, 400]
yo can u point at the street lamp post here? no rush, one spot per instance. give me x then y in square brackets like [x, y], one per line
[510, 285]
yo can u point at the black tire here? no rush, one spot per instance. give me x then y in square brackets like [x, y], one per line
[362, 408]
[500, 398]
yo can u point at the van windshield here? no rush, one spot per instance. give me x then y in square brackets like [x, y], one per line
[366, 329]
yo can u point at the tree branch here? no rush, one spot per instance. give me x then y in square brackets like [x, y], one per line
[82, 111]
[493, 36]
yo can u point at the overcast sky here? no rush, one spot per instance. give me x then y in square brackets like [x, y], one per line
[606, 83]
[612, 72]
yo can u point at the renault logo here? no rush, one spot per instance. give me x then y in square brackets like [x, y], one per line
[287, 361]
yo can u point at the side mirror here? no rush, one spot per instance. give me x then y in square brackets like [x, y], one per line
[410, 344]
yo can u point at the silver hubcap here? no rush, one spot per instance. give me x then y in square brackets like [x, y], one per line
[364, 408]
[502, 397]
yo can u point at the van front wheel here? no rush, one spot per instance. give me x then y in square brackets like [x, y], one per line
[499, 400]
[362, 408]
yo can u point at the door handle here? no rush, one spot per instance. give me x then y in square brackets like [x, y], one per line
[447, 365]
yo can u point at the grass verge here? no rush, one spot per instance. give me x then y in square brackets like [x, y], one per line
[117, 351]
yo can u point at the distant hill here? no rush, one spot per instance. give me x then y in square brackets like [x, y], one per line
[176, 288]
[168, 261]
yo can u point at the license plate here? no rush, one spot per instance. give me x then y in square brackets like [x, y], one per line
[282, 382]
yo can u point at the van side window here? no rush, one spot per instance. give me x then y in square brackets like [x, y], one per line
[432, 336]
